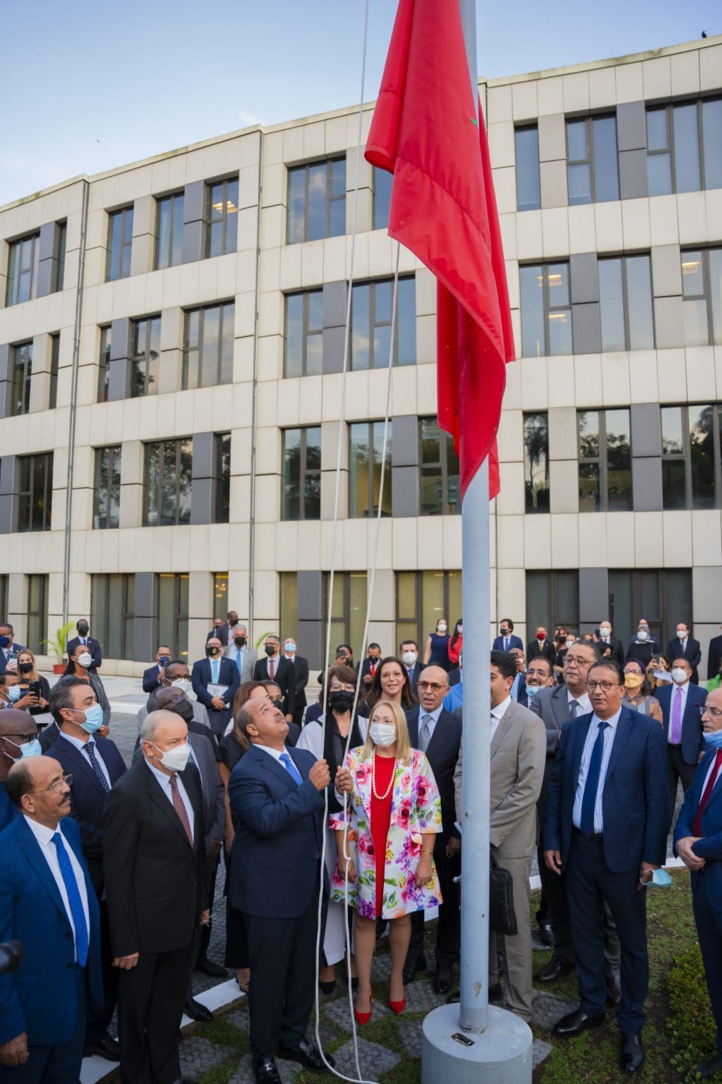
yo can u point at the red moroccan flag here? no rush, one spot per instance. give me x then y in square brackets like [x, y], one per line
[425, 131]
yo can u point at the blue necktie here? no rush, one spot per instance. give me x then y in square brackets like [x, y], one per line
[589, 798]
[214, 667]
[291, 767]
[76, 904]
[239, 660]
[90, 750]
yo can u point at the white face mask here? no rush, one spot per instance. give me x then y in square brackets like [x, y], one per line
[681, 634]
[182, 683]
[383, 734]
[606, 633]
[679, 675]
[569, 643]
[409, 657]
[642, 635]
[175, 759]
[85, 659]
[441, 629]
[290, 647]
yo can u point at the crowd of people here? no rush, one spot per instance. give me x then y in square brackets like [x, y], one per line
[347, 806]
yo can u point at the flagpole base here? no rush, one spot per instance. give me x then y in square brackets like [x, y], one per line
[503, 1053]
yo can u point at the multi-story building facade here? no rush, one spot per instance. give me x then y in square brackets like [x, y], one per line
[171, 352]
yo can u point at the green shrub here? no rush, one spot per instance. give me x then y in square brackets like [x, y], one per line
[690, 1025]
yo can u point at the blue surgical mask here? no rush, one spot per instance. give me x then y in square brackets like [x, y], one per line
[660, 879]
[93, 718]
[14, 693]
[30, 749]
[532, 690]
[713, 738]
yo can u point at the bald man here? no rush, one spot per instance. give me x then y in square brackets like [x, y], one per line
[47, 902]
[154, 863]
[18, 738]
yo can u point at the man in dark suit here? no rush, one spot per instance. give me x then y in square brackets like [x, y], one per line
[153, 676]
[682, 704]
[9, 650]
[606, 826]
[275, 668]
[698, 842]
[95, 765]
[215, 682]
[369, 666]
[224, 631]
[154, 862]
[277, 799]
[541, 646]
[94, 649]
[47, 902]
[239, 652]
[300, 666]
[437, 733]
[409, 651]
[685, 646]
[540, 675]
[609, 646]
[505, 641]
[714, 657]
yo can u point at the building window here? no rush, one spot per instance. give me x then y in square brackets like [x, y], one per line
[663, 596]
[54, 368]
[106, 502]
[552, 598]
[546, 315]
[301, 483]
[112, 613]
[366, 443]
[223, 477]
[702, 296]
[61, 241]
[168, 477]
[288, 583]
[220, 594]
[4, 600]
[173, 613]
[371, 313]
[383, 183]
[37, 617]
[304, 334]
[536, 462]
[678, 160]
[440, 495]
[221, 217]
[22, 374]
[605, 461]
[169, 231]
[120, 242]
[691, 457]
[421, 599]
[23, 269]
[104, 363]
[348, 607]
[36, 492]
[625, 302]
[144, 356]
[208, 346]
[316, 201]
[528, 185]
[592, 175]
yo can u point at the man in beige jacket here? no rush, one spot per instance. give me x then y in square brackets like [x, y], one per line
[518, 754]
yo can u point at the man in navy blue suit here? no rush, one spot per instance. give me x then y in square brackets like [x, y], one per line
[94, 649]
[96, 765]
[698, 842]
[153, 676]
[606, 827]
[277, 800]
[506, 641]
[215, 682]
[9, 650]
[682, 704]
[47, 902]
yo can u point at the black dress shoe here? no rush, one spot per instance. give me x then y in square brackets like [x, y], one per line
[632, 1053]
[411, 968]
[196, 1011]
[574, 1023]
[546, 932]
[305, 1055]
[706, 1069]
[208, 967]
[266, 1071]
[103, 1047]
[442, 979]
[496, 993]
[614, 990]
[327, 987]
[554, 970]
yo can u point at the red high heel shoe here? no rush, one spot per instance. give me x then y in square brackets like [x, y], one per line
[397, 1006]
[363, 1017]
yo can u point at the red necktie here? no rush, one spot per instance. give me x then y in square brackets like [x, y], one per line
[373, 669]
[180, 808]
[271, 669]
[697, 822]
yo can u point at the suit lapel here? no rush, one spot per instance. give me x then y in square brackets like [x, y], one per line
[82, 765]
[413, 724]
[159, 798]
[500, 732]
[560, 706]
[623, 728]
[38, 863]
[581, 731]
[270, 764]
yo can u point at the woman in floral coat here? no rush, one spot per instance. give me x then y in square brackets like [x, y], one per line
[385, 837]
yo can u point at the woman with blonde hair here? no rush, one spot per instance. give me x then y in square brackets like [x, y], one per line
[385, 838]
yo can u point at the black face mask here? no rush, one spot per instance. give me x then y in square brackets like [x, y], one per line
[277, 702]
[185, 710]
[212, 651]
[4, 641]
[25, 667]
[233, 623]
[341, 700]
[270, 650]
[239, 641]
[82, 630]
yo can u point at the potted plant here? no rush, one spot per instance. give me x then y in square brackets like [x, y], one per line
[57, 645]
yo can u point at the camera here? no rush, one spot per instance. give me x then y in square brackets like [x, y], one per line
[11, 955]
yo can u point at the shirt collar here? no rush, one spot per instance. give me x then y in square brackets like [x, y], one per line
[79, 743]
[612, 723]
[583, 700]
[434, 714]
[500, 710]
[40, 831]
[275, 753]
[162, 778]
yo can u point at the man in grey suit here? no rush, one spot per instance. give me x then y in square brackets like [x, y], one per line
[240, 653]
[555, 707]
[518, 748]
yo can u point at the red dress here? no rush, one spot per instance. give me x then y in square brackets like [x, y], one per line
[380, 820]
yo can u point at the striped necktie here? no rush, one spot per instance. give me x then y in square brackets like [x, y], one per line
[74, 900]
[90, 750]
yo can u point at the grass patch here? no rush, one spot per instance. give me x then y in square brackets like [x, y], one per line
[222, 1032]
[688, 1026]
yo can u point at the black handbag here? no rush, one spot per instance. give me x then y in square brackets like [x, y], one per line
[502, 917]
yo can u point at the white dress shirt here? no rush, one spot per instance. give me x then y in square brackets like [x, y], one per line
[585, 704]
[434, 716]
[164, 781]
[82, 746]
[44, 836]
[497, 714]
[609, 736]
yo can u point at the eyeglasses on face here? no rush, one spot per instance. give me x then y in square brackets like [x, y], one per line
[55, 785]
[714, 712]
[433, 685]
[605, 686]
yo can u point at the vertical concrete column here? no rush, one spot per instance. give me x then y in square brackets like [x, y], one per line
[145, 623]
[334, 325]
[311, 630]
[632, 149]
[405, 467]
[9, 494]
[6, 380]
[646, 457]
[329, 453]
[203, 484]
[40, 377]
[193, 221]
[586, 319]
[593, 597]
[170, 369]
[119, 384]
[142, 253]
[132, 474]
[48, 262]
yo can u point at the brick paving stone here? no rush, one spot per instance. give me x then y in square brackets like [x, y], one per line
[239, 1018]
[411, 1034]
[420, 996]
[539, 1052]
[375, 1060]
[547, 1009]
[288, 1070]
[198, 1055]
[339, 1013]
[380, 968]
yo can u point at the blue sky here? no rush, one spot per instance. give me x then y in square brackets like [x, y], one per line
[90, 85]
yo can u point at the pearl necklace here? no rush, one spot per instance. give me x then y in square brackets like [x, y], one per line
[381, 797]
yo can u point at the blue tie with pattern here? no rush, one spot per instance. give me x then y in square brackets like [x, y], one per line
[90, 750]
[589, 798]
[76, 904]
[290, 767]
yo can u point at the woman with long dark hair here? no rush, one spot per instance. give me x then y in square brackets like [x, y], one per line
[456, 644]
[78, 666]
[390, 682]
